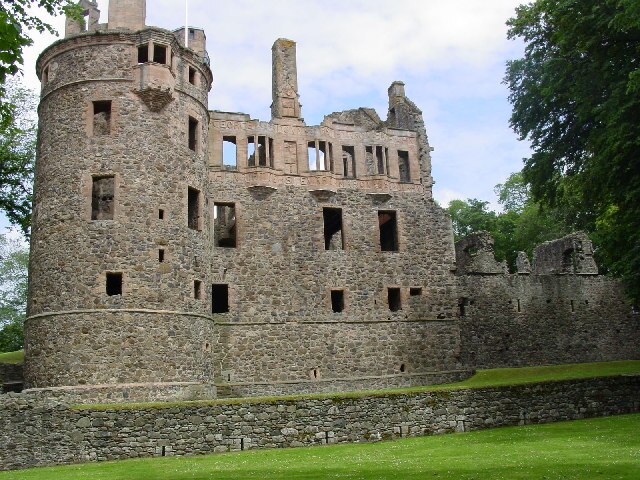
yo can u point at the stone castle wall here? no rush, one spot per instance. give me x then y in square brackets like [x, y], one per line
[37, 433]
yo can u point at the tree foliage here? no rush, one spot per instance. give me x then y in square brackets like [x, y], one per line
[576, 97]
[17, 156]
[16, 22]
[14, 259]
[521, 226]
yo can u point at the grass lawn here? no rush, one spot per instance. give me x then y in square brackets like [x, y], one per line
[12, 357]
[606, 448]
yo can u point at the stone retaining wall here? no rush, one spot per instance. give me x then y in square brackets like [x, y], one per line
[36, 433]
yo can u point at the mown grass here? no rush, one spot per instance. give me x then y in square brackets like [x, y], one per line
[12, 357]
[601, 448]
[498, 377]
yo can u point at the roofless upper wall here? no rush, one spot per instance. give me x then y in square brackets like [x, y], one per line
[127, 14]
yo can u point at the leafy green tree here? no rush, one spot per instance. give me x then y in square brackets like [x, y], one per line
[17, 156]
[14, 259]
[576, 97]
[470, 216]
[16, 22]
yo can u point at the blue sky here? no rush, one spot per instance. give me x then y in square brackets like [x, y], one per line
[450, 53]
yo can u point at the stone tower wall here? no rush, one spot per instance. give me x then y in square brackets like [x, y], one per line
[155, 330]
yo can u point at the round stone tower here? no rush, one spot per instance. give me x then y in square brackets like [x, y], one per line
[120, 237]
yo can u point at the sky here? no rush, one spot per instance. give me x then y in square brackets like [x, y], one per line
[451, 55]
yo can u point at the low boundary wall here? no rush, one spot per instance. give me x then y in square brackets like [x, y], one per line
[34, 432]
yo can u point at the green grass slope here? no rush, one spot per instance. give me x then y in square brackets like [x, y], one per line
[12, 357]
[601, 448]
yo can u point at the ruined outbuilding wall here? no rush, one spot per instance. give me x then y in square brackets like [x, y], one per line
[571, 316]
[36, 433]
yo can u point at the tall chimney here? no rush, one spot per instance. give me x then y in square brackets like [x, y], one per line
[127, 14]
[285, 80]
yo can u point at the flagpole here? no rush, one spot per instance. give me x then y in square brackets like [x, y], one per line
[186, 23]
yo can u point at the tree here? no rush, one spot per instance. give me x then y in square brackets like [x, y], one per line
[17, 156]
[576, 97]
[470, 216]
[16, 21]
[14, 259]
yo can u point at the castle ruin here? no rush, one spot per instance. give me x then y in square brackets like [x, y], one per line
[179, 252]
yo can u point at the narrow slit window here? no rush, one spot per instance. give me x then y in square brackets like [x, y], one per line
[220, 298]
[337, 301]
[192, 75]
[160, 54]
[102, 117]
[45, 75]
[380, 160]
[394, 299]
[197, 289]
[161, 255]
[324, 155]
[114, 283]
[160, 214]
[224, 225]
[193, 209]
[102, 198]
[229, 151]
[388, 231]
[271, 152]
[348, 161]
[311, 151]
[193, 134]
[143, 53]
[251, 151]
[403, 166]
[333, 234]
[262, 151]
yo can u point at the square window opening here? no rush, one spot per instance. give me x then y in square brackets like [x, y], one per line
[229, 151]
[394, 299]
[388, 225]
[415, 291]
[102, 117]
[333, 233]
[337, 300]
[160, 54]
[193, 209]
[197, 289]
[220, 298]
[224, 225]
[114, 283]
[143, 53]
[102, 198]
[193, 134]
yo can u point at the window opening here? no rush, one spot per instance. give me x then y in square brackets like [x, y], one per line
[403, 166]
[161, 255]
[380, 160]
[224, 225]
[251, 152]
[262, 151]
[192, 75]
[337, 300]
[393, 299]
[102, 117]
[160, 214]
[45, 75]
[193, 134]
[192, 34]
[317, 152]
[193, 209]
[102, 198]
[160, 54]
[114, 283]
[402, 368]
[462, 304]
[197, 289]
[388, 231]
[348, 161]
[386, 160]
[415, 291]
[368, 160]
[333, 235]
[219, 298]
[519, 306]
[271, 152]
[143, 53]
[229, 151]
[573, 306]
